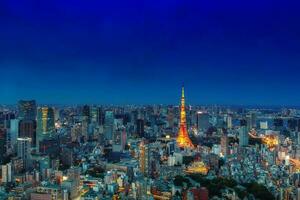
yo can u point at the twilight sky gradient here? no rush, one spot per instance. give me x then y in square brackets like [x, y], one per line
[141, 51]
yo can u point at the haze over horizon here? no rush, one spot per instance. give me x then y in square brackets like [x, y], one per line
[140, 52]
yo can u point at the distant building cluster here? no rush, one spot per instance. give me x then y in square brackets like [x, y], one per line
[163, 152]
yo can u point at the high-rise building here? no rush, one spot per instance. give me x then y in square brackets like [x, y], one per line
[6, 173]
[170, 117]
[3, 144]
[13, 132]
[140, 127]
[86, 112]
[225, 145]
[101, 117]
[56, 114]
[243, 134]
[94, 114]
[183, 139]
[229, 121]
[253, 120]
[75, 132]
[202, 121]
[278, 124]
[144, 158]
[134, 116]
[84, 129]
[292, 124]
[298, 138]
[74, 175]
[24, 151]
[27, 110]
[119, 136]
[171, 147]
[109, 125]
[27, 128]
[6, 120]
[45, 123]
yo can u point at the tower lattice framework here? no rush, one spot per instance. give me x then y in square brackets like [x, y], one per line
[183, 139]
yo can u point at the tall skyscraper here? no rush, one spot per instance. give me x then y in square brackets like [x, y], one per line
[229, 121]
[27, 128]
[24, 151]
[183, 139]
[86, 112]
[292, 124]
[243, 134]
[3, 144]
[109, 125]
[13, 132]
[298, 138]
[101, 117]
[278, 124]
[27, 110]
[119, 136]
[140, 127]
[7, 117]
[202, 121]
[45, 124]
[94, 113]
[84, 128]
[253, 119]
[170, 117]
[144, 158]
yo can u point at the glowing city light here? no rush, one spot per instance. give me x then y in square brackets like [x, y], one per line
[197, 168]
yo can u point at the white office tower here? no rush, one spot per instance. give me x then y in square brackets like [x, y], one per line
[229, 121]
[6, 173]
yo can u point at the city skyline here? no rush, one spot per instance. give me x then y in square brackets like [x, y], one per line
[140, 52]
[156, 100]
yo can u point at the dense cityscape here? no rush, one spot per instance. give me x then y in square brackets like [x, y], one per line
[182, 151]
[149, 100]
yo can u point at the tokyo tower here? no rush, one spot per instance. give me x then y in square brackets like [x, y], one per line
[183, 139]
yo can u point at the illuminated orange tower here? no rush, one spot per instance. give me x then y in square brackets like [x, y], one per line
[183, 139]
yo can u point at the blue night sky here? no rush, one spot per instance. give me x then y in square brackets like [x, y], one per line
[225, 52]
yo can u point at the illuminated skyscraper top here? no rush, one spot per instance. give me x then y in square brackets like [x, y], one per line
[183, 139]
[45, 121]
[27, 110]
